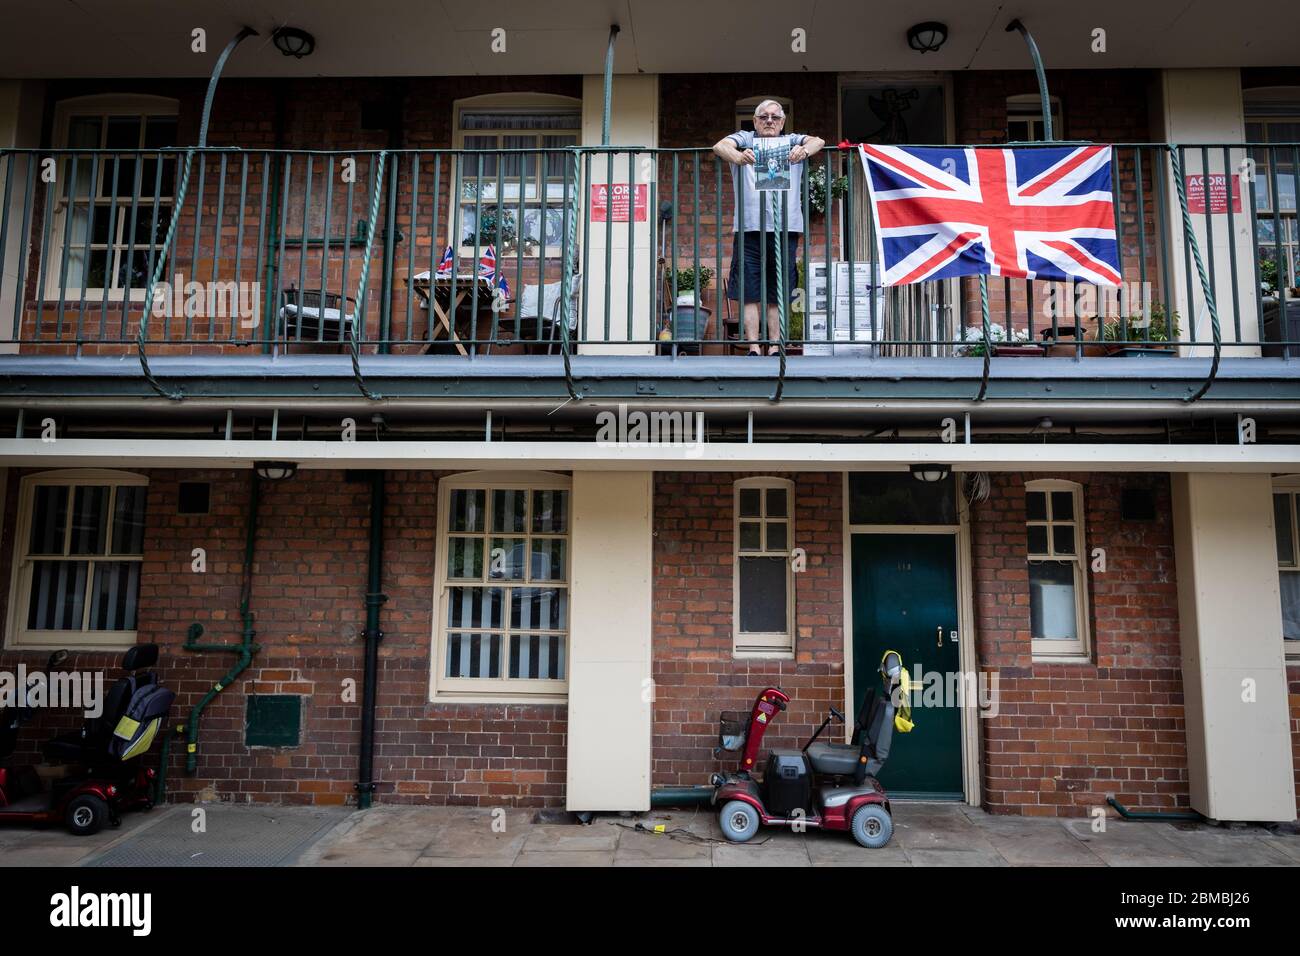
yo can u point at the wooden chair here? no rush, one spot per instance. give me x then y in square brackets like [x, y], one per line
[305, 318]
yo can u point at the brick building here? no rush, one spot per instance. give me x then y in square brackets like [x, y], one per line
[1097, 530]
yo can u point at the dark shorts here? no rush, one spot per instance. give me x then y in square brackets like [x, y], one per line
[760, 246]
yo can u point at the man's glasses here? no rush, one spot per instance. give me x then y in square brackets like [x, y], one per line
[770, 117]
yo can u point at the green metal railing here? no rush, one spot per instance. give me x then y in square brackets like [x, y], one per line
[335, 249]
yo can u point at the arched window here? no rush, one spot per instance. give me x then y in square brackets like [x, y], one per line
[763, 612]
[111, 236]
[1058, 582]
[1025, 118]
[501, 121]
[78, 550]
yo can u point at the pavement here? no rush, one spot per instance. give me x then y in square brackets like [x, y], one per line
[925, 834]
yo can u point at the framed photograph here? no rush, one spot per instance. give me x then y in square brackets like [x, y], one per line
[772, 162]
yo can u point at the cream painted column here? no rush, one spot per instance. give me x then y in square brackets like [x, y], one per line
[20, 117]
[1197, 107]
[634, 121]
[610, 694]
[1234, 677]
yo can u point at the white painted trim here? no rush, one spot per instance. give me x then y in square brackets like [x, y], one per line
[1046, 651]
[764, 645]
[967, 656]
[549, 456]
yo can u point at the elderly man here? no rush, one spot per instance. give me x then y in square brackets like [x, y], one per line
[738, 149]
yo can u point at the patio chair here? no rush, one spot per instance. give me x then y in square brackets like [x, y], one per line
[304, 318]
[528, 312]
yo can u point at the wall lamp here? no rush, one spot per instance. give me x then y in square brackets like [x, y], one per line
[930, 474]
[293, 42]
[927, 37]
[275, 470]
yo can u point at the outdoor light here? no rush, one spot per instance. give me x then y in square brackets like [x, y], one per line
[927, 37]
[930, 473]
[275, 470]
[298, 43]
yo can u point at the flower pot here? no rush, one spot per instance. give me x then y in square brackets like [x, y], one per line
[1000, 349]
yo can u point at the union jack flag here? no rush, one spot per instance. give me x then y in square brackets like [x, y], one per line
[447, 263]
[1028, 213]
[487, 268]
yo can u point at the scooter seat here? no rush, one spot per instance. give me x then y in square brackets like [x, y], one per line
[840, 760]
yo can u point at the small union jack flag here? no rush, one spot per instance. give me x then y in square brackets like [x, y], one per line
[1029, 213]
[447, 263]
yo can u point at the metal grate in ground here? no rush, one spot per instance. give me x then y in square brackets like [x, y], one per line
[234, 836]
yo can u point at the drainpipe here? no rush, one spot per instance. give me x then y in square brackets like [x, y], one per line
[372, 635]
[609, 88]
[1034, 55]
[1128, 814]
[244, 650]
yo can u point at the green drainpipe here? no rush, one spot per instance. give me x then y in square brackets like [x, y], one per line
[372, 635]
[244, 650]
[681, 796]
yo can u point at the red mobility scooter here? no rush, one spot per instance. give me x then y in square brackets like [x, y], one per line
[825, 785]
[104, 773]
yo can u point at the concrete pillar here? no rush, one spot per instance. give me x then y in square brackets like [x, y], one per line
[610, 688]
[1199, 107]
[20, 127]
[634, 121]
[1234, 675]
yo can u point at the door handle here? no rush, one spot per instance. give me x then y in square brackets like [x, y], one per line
[939, 636]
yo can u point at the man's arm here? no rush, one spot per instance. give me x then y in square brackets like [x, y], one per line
[809, 148]
[726, 148]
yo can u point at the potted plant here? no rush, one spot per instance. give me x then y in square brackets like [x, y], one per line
[689, 321]
[1063, 342]
[971, 341]
[817, 188]
[1153, 339]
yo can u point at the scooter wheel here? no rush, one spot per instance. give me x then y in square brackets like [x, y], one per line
[872, 826]
[86, 814]
[739, 821]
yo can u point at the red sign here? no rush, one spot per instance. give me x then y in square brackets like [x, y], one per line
[1218, 193]
[600, 202]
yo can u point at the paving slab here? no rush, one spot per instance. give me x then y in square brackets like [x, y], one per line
[955, 858]
[573, 858]
[1129, 843]
[754, 853]
[1038, 843]
[1211, 845]
[600, 836]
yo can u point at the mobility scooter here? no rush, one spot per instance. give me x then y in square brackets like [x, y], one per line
[825, 785]
[105, 776]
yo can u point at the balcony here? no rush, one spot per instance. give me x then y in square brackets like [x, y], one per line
[365, 266]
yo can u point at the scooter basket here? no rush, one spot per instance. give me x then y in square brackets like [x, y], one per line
[733, 729]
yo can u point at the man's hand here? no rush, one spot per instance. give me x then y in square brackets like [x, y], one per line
[747, 158]
[798, 154]
[809, 148]
[726, 148]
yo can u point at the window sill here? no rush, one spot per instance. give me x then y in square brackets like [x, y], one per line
[490, 698]
[1060, 659]
[762, 655]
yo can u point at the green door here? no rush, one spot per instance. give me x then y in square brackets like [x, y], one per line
[905, 599]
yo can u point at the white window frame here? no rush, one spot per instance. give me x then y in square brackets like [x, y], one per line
[1291, 488]
[1056, 650]
[19, 637]
[503, 689]
[505, 103]
[1287, 219]
[771, 645]
[103, 106]
[1028, 108]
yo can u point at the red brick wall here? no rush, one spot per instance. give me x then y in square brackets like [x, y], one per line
[1067, 735]
[695, 673]
[309, 585]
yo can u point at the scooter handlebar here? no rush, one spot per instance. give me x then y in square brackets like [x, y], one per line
[838, 715]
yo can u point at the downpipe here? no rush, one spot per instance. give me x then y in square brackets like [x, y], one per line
[372, 635]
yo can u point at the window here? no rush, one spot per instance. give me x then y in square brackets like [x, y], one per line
[1025, 119]
[494, 186]
[1276, 222]
[745, 111]
[503, 622]
[1288, 566]
[77, 557]
[764, 582]
[111, 240]
[1057, 585]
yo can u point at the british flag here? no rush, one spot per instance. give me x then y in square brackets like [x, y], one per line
[1029, 213]
[447, 263]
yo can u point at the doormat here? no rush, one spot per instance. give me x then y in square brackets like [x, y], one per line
[231, 836]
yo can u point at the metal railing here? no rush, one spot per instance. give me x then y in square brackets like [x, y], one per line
[593, 246]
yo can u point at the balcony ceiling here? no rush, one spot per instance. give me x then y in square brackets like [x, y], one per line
[151, 38]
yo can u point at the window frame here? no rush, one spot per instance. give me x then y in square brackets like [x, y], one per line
[1287, 219]
[505, 103]
[1048, 649]
[1028, 107]
[18, 636]
[1291, 488]
[104, 106]
[763, 644]
[502, 689]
